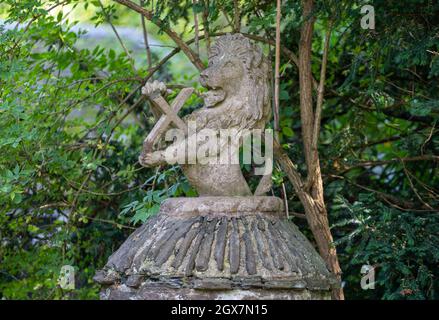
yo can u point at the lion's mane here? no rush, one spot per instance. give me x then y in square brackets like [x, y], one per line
[256, 110]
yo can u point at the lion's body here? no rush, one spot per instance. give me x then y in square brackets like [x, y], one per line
[246, 106]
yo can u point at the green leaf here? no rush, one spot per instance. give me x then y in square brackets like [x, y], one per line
[287, 131]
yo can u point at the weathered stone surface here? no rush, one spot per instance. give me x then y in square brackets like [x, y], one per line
[134, 280]
[159, 293]
[238, 98]
[234, 247]
[184, 246]
[220, 248]
[250, 254]
[106, 277]
[216, 250]
[213, 284]
[249, 282]
[223, 206]
[203, 257]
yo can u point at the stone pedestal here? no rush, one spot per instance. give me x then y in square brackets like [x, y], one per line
[216, 248]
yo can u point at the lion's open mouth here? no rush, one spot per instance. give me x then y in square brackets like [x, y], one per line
[210, 87]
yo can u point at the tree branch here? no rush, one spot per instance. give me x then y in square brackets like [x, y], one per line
[318, 113]
[393, 201]
[276, 71]
[193, 57]
[125, 49]
[393, 111]
[237, 18]
[205, 17]
[316, 213]
[145, 38]
[415, 191]
[384, 162]
[197, 31]
[305, 78]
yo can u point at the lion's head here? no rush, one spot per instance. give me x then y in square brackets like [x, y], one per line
[238, 71]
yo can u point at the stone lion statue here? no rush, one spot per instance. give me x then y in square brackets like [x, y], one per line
[227, 243]
[238, 98]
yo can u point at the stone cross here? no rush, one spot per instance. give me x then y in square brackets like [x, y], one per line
[169, 115]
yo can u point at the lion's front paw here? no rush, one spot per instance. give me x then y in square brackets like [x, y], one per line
[152, 159]
[153, 88]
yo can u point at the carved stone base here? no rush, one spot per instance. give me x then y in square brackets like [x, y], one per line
[145, 292]
[216, 248]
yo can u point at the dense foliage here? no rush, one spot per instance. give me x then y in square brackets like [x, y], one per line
[72, 122]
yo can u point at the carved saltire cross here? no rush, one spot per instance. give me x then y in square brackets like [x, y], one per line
[169, 114]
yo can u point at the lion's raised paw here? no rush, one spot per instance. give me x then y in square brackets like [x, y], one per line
[153, 88]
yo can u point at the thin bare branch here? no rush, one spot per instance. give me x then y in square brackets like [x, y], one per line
[429, 137]
[119, 39]
[276, 70]
[193, 57]
[237, 16]
[206, 24]
[145, 38]
[285, 196]
[415, 191]
[226, 16]
[374, 163]
[391, 200]
[118, 225]
[196, 27]
[318, 111]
